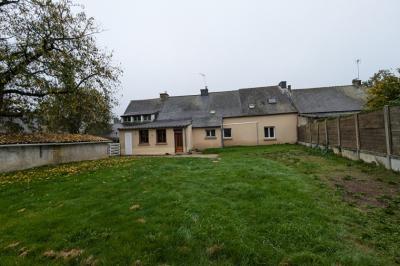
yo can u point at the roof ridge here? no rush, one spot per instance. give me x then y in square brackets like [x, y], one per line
[211, 92]
[325, 87]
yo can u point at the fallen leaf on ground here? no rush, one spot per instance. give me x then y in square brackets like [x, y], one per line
[64, 254]
[12, 245]
[134, 207]
[141, 220]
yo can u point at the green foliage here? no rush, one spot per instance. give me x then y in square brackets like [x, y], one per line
[384, 89]
[251, 207]
[47, 49]
[86, 111]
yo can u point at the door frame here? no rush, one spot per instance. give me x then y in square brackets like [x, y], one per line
[178, 132]
[128, 139]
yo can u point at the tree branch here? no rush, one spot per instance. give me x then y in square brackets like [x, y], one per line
[7, 2]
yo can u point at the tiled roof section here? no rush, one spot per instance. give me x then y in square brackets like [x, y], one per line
[259, 100]
[161, 124]
[184, 107]
[212, 121]
[149, 106]
[6, 139]
[329, 99]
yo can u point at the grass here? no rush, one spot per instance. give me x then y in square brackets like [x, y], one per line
[283, 204]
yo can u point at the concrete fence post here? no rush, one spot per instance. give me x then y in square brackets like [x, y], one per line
[338, 131]
[326, 134]
[388, 135]
[318, 133]
[357, 135]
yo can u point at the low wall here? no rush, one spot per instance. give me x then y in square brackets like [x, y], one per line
[23, 156]
[390, 162]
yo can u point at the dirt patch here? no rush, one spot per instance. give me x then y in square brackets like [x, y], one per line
[362, 189]
[359, 185]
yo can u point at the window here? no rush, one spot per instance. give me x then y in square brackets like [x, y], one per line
[136, 118]
[146, 117]
[269, 132]
[227, 133]
[143, 136]
[127, 119]
[210, 133]
[161, 136]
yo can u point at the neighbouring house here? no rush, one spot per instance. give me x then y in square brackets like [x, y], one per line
[329, 101]
[114, 133]
[253, 116]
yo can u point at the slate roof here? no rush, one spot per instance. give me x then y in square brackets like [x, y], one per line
[208, 111]
[336, 99]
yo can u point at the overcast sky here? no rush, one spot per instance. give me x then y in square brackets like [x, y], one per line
[162, 45]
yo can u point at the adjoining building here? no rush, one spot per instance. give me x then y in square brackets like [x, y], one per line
[252, 116]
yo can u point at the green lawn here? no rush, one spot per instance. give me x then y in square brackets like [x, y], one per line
[283, 204]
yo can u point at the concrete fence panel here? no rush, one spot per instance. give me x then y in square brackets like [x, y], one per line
[23, 156]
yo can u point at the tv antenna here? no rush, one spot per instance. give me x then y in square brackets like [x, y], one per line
[204, 76]
[358, 62]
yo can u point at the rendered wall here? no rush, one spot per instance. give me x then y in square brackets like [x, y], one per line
[19, 157]
[201, 141]
[154, 148]
[250, 130]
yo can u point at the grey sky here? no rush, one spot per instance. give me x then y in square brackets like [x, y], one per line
[162, 45]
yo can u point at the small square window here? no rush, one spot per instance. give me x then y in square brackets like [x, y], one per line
[147, 117]
[161, 136]
[143, 136]
[269, 132]
[227, 133]
[136, 118]
[210, 133]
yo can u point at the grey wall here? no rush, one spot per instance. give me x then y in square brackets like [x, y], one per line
[19, 157]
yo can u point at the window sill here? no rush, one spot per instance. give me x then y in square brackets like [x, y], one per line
[269, 139]
[211, 138]
[227, 138]
[144, 144]
[161, 143]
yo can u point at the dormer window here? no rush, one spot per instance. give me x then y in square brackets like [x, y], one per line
[252, 106]
[147, 118]
[136, 118]
[272, 100]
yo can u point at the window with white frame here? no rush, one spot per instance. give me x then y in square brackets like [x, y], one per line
[210, 133]
[136, 118]
[269, 133]
[227, 133]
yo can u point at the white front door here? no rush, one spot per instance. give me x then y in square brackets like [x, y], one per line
[128, 143]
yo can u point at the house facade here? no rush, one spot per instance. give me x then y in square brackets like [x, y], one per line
[181, 124]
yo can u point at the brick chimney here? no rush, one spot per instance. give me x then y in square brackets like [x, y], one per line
[204, 92]
[164, 96]
[283, 84]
